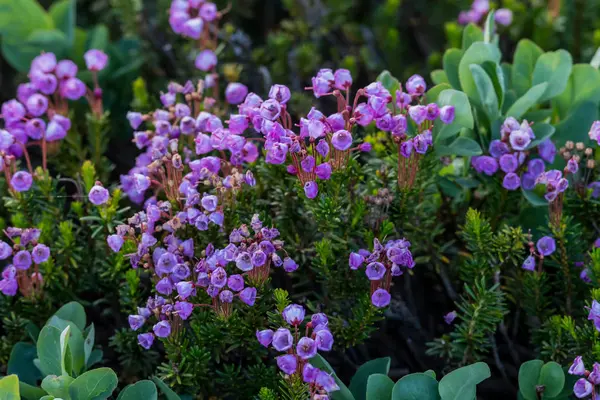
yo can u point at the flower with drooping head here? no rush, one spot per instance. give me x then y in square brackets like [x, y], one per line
[341, 140]
[98, 195]
[503, 16]
[282, 339]
[381, 298]
[145, 340]
[265, 337]
[22, 260]
[287, 363]
[594, 376]
[21, 181]
[248, 295]
[306, 348]
[511, 181]
[594, 132]
[582, 388]
[280, 93]
[450, 317]
[206, 60]
[235, 93]
[416, 85]
[95, 60]
[5, 250]
[115, 242]
[294, 314]
[311, 189]
[447, 114]
[529, 263]
[162, 329]
[546, 246]
[40, 253]
[577, 368]
[136, 322]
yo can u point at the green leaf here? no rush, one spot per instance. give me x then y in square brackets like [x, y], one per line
[63, 14]
[438, 77]
[451, 61]
[76, 355]
[416, 387]
[490, 28]
[145, 390]
[88, 344]
[389, 82]
[29, 392]
[577, 124]
[529, 374]
[19, 18]
[433, 94]
[57, 386]
[478, 53]
[342, 394]
[379, 387]
[51, 40]
[97, 38]
[461, 384]
[73, 312]
[166, 390]
[534, 198]
[471, 34]
[496, 74]
[528, 100]
[583, 86]
[524, 61]
[9, 388]
[20, 363]
[463, 116]
[461, 146]
[95, 357]
[358, 383]
[542, 132]
[485, 88]
[554, 68]
[64, 347]
[552, 378]
[48, 350]
[96, 384]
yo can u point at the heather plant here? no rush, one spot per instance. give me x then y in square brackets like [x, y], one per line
[225, 261]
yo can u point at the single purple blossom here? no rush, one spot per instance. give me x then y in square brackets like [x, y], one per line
[546, 246]
[282, 339]
[287, 363]
[145, 340]
[381, 298]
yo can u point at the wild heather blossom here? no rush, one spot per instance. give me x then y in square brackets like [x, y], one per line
[450, 317]
[544, 247]
[478, 11]
[186, 278]
[586, 385]
[25, 251]
[39, 113]
[595, 132]
[594, 314]
[323, 144]
[382, 264]
[168, 164]
[300, 350]
[511, 156]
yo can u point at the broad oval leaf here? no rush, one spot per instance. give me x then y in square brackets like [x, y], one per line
[528, 100]
[485, 89]
[524, 61]
[73, 312]
[552, 378]
[21, 363]
[96, 384]
[554, 68]
[478, 53]
[529, 374]
[358, 383]
[461, 384]
[63, 14]
[471, 34]
[379, 386]
[48, 350]
[577, 124]
[9, 388]
[145, 390]
[416, 387]
[461, 146]
[166, 390]
[451, 61]
[57, 386]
